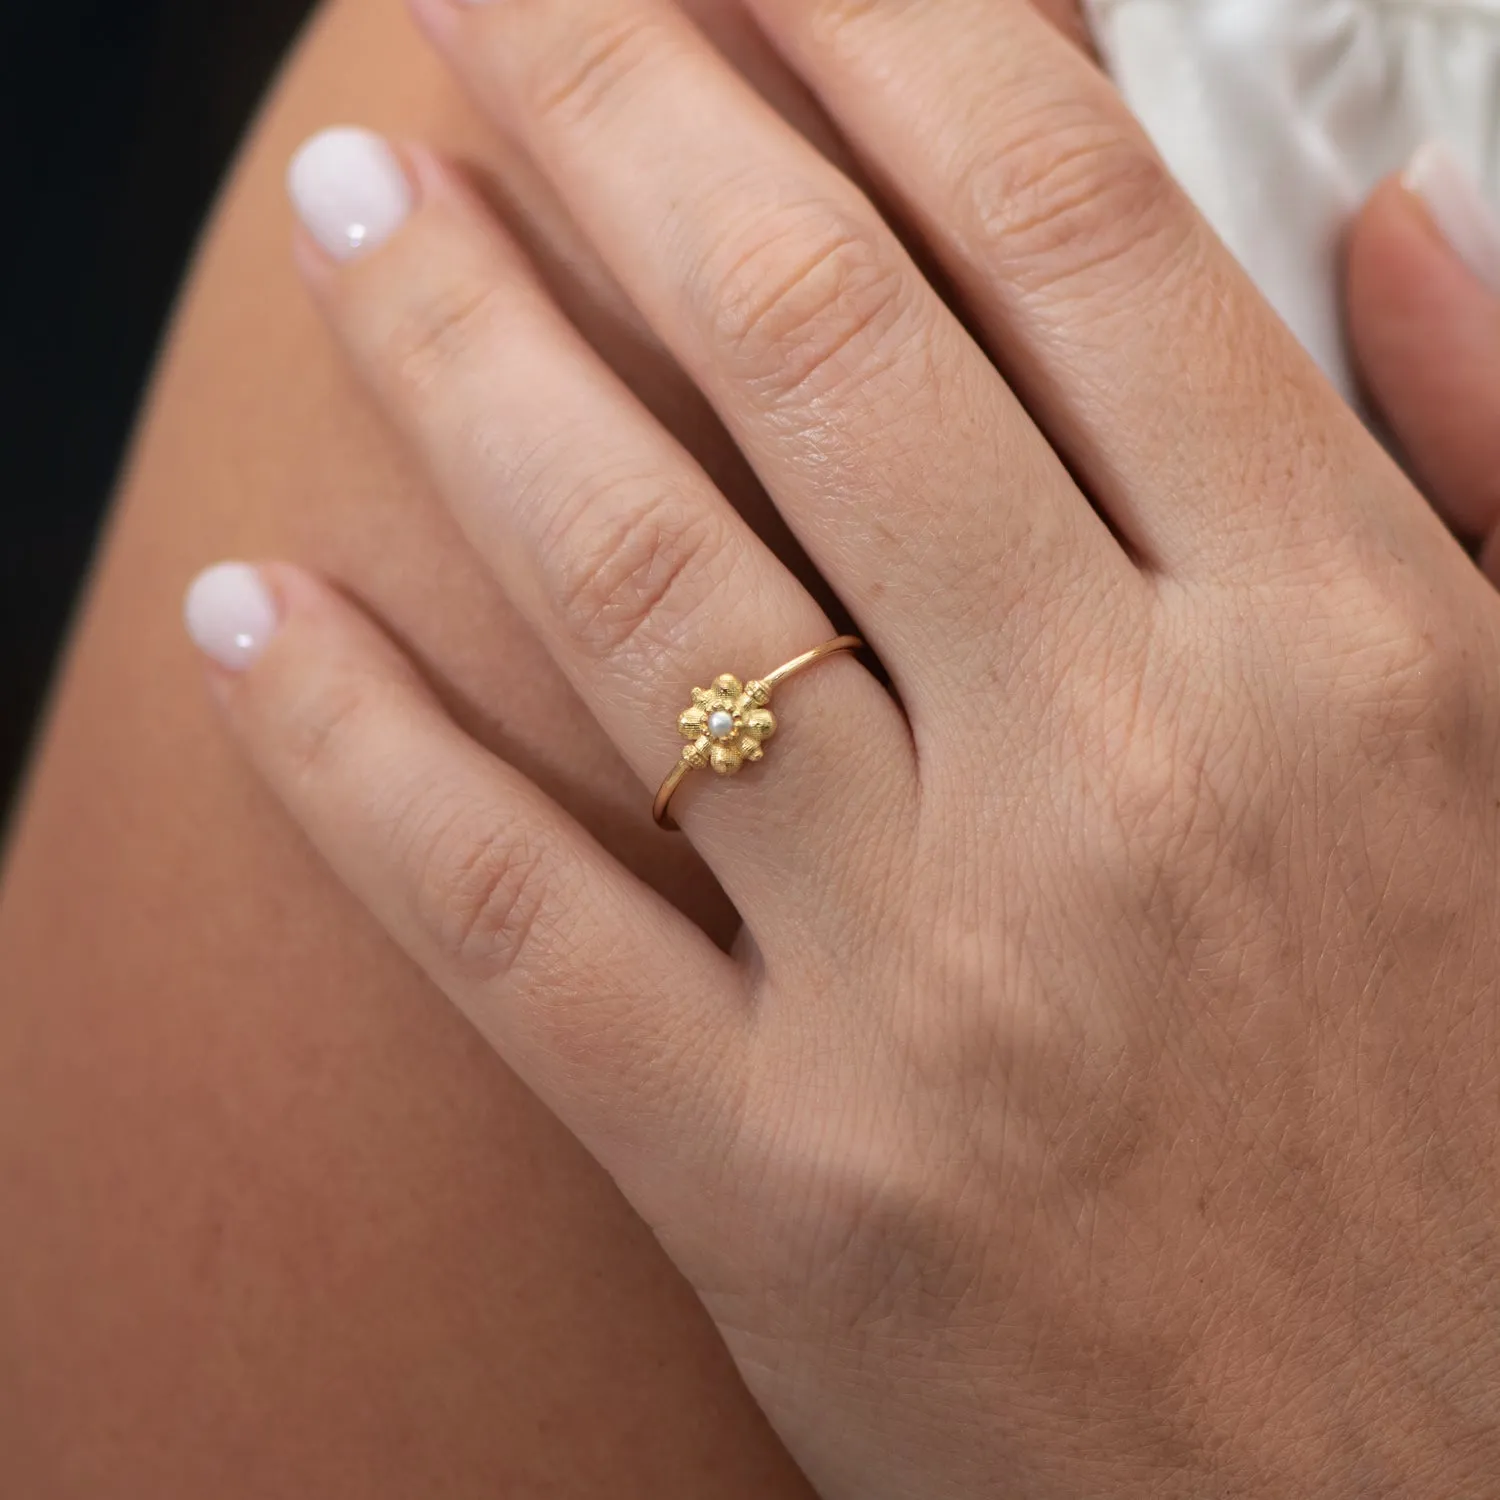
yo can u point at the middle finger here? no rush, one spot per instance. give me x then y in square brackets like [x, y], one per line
[910, 472]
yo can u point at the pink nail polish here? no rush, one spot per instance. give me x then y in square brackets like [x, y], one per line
[230, 615]
[349, 190]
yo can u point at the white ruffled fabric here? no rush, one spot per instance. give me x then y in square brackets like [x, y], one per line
[1279, 116]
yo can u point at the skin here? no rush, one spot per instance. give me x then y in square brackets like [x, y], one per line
[1103, 1102]
[1426, 332]
[209, 1105]
[205, 1107]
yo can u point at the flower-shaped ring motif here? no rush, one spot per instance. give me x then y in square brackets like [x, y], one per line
[728, 724]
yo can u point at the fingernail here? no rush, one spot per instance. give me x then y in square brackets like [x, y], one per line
[349, 190]
[230, 615]
[1456, 205]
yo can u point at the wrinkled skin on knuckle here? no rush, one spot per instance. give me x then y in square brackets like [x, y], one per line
[440, 329]
[504, 908]
[483, 886]
[1241, 753]
[324, 715]
[629, 566]
[1188, 752]
[1396, 670]
[1403, 778]
[802, 305]
[577, 85]
[1069, 199]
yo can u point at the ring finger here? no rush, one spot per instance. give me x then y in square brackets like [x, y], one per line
[635, 572]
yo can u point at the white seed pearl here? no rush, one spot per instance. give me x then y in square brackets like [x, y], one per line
[721, 725]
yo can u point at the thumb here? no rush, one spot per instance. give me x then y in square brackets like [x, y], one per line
[1424, 319]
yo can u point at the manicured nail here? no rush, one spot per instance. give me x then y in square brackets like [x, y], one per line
[349, 190]
[1456, 205]
[230, 615]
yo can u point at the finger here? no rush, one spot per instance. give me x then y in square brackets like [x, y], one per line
[918, 485]
[637, 575]
[1103, 294]
[568, 965]
[1423, 296]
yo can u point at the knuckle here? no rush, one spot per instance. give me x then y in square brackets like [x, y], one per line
[811, 303]
[482, 891]
[1072, 192]
[1166, 785]
[1193, 783]
[576, 80]
[631, 566]
[1400, 682]
[329, 715]
[440, 329]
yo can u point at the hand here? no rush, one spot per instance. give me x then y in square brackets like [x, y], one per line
[1101, 1099]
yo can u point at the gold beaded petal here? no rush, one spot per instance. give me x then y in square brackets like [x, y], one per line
[727, 724]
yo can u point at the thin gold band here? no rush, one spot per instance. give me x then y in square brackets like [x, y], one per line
[729, 690]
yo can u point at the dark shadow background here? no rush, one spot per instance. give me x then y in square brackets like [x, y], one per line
[121, 118]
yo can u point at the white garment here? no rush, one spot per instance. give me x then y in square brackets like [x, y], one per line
[1279, 116]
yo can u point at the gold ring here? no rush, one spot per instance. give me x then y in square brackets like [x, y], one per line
[729, 722]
